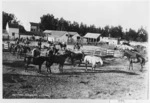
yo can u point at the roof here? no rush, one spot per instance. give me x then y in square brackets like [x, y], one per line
[27, 33]
[34, 24]
[73, 33]
[92, 35]
[33, 33]
[38, 33]
[13, 26]
[55, 33]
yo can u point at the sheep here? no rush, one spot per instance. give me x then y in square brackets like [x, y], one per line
[93, 60]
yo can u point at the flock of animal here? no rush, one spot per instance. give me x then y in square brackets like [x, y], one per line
[53, 56]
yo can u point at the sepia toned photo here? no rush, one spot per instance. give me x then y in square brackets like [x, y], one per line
[75, 49]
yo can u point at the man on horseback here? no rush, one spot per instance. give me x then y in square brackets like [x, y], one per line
[77, 46]
[40, 43]
[17, 41]
[26, 42]
[36, 52]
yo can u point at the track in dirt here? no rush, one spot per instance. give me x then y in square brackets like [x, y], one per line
[111, 81]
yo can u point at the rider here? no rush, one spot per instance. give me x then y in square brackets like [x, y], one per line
[17, 41]
[77, 46]
[26, 42]
[39, 44]
[36, 52]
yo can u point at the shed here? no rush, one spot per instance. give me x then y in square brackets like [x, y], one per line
[92, 37]
[53, 35]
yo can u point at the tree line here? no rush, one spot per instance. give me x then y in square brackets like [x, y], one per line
[49, 22]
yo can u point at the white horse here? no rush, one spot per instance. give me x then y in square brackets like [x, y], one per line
[92, 60]
[124, 47]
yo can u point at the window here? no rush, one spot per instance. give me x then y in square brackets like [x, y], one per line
[13, 34]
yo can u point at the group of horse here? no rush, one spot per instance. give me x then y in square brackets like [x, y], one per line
[133, 55]
[53, 56]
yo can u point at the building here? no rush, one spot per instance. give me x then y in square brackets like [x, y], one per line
[92, 37]
[73, 37]
[13, 31]
[113, 41]
[5, 35]
[53, 35]
[37, 35]
[34, 27]
[25, 35]
[104, 39]
[61, 36]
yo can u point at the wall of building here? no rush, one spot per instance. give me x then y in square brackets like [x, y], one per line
[63, 38]
[75, 37]
[114, 42]
[104, 39]
[33, 28]
[13, 33]
[25, 36]
[50, 38]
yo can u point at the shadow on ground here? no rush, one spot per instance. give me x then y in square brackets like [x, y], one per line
[14, 64]
[12, 78]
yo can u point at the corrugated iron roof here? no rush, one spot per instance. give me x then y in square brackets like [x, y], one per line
[55, 33]
[13, 25]
[37, 33]
[34, 24]
[92, 35]
[72, 33]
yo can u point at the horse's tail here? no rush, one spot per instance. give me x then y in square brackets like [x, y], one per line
[25, 59]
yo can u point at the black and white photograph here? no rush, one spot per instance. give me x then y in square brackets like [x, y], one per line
[78, 49]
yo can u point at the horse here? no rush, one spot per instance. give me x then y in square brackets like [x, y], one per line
[93, 60]
[23, 50]
[14, 48]
[134, 57]
[76, 56]
[35, 60]
[59, 59]
[62, 45]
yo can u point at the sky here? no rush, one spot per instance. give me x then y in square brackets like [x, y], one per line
[129, 14]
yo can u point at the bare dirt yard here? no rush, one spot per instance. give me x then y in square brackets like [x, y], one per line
[113, 80]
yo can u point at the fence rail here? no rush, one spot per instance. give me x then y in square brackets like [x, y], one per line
[100, 52]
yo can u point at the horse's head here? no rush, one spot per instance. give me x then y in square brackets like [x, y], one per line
[68, 52]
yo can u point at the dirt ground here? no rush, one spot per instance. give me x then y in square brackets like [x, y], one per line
[113, 80]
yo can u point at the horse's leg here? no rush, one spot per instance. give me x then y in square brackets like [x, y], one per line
[60, 68]
[49, 69]
[129, 64]
[25, 58]
[48, 66]
[132, 66]
[17, 55]
[26, 66]
[141, 66]
[80, 62]
[39, 68]
[86, 66]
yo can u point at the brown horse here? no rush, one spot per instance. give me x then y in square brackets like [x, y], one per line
[59, 59]
[36, 59]
[134, 57]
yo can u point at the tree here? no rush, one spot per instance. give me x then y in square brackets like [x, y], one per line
[11, 19]
[142, 35]
[131, 35]
[7, 18]
[47, 22]
[116, 32]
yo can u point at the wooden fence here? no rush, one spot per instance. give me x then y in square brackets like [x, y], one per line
[5, 46]
[100, 52]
